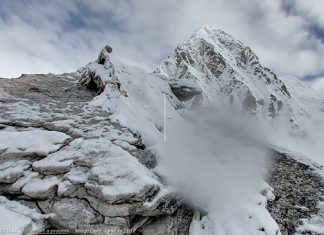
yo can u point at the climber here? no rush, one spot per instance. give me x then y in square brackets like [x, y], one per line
[108, 48]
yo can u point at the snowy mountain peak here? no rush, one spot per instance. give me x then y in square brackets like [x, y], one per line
[209, 32]
[213, 52]
[214, 67]
[241, 54]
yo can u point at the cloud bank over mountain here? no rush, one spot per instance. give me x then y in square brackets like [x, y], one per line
[288, 35]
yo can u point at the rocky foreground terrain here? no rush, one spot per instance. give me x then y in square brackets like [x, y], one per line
[62, 183]
[70, 162]
[298, 193]
[76, 149]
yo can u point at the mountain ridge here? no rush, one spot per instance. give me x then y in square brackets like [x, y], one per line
[219, 66]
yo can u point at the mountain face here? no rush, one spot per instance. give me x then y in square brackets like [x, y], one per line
[212, 67]
[121, 155]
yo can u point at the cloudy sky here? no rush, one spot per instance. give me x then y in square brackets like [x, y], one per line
[41, 36]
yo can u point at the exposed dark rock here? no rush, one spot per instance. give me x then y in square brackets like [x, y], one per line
[183, 56]
[184, 93]
[145, 157]
[298, 190]
[285, 90]
[176, 223]
[91, 80]
[249, 103]
[214, 60]
[108, 48]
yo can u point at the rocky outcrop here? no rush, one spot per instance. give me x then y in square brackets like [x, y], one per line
[92, 76]
[96, 176]
[183, 90]
[298, 192]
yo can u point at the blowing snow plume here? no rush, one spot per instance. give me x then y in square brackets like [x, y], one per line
[217, 163]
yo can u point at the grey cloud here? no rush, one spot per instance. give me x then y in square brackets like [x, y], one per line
[311, 11]
[59, 36]
[318, 83]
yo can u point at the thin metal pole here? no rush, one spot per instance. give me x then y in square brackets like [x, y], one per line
[165, 119]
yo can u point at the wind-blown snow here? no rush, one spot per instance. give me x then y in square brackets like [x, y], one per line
[215, 164]
[213, 170]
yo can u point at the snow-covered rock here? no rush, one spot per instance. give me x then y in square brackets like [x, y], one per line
[88, 171]
[31, 141]
[41, 188]
[20, 219]
[10, 171]
[71, 213]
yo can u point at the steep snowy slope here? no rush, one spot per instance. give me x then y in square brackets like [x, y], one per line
[212, 67]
